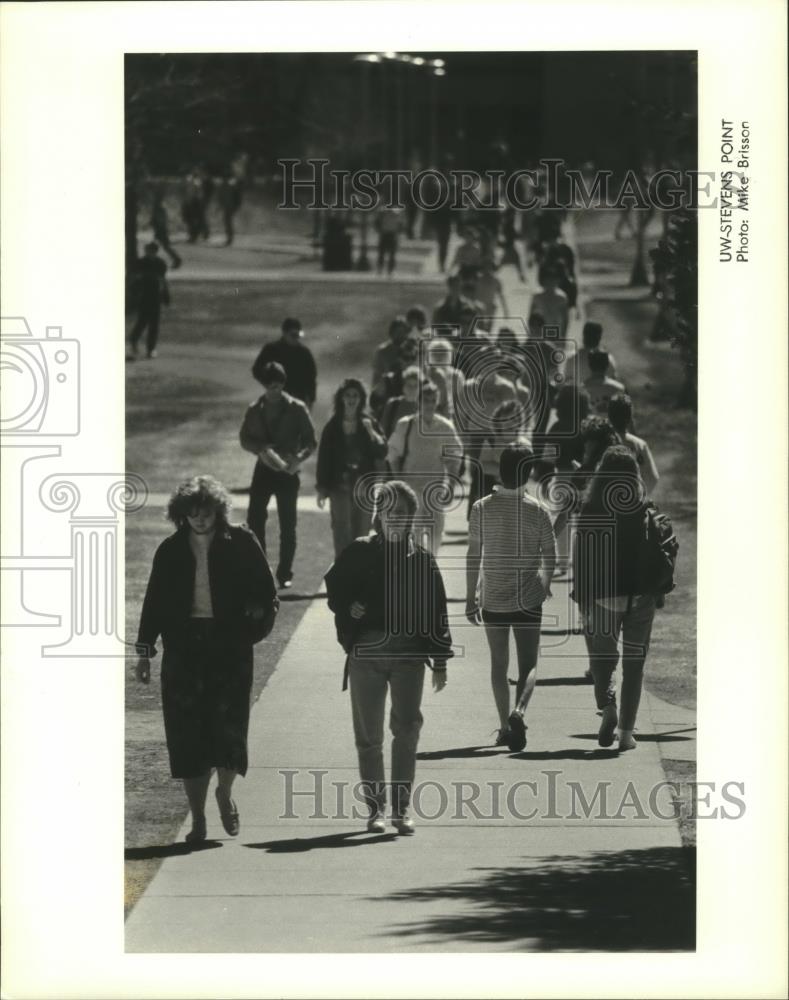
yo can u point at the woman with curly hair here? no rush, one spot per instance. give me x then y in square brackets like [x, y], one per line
[351, 446]
[210, 597]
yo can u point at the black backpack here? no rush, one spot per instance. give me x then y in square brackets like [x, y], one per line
[656, 553]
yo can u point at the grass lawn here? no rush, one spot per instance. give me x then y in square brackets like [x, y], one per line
[188, 405]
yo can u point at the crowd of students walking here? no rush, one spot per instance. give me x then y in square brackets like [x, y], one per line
[539, 440]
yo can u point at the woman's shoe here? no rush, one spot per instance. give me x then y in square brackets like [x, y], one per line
[198, 832]
[228, 814]
[605, 735]
[503, 738]
[517, 737]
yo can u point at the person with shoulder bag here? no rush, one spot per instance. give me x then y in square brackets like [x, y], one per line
[210, 597]
[624, 555]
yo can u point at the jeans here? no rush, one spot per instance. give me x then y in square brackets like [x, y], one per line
[603, 629]
[369, 680]
[348, 519]
[284, 487]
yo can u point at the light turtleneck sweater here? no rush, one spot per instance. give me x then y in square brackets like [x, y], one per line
[201, 601]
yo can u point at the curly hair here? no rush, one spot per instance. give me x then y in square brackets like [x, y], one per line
[198, 493]
[350, 383]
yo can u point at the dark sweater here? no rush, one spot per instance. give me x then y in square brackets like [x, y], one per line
[299, 365]
[402, 590]
[333, 453]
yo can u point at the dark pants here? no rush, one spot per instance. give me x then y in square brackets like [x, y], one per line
[162, 237]
[603, 629]
[387, 248]
[148, 315]
[266, 483]
[370, 679]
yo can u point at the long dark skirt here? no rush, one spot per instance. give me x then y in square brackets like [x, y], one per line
[206, 687]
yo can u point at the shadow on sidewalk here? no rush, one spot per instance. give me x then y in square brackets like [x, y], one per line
[667, 737]
[168, 850]
[561, 681]
[296, 845]
[635, 900]
[596, 754]
[481, 751]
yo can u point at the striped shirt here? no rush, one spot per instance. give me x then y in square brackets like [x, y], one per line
[515, 534]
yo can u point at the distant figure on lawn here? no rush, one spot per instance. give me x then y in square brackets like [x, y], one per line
[151, 292]
[296, 358]
[551, 303]
[278, 430]
[390, 223]
[160, 226]
[512, 543]
[210, 597]
[390, 612]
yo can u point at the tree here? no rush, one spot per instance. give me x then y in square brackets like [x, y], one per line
[676, 261]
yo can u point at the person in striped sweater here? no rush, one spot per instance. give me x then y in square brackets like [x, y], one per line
[513, 547]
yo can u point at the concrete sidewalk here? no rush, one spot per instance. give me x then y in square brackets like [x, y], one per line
[478, 875]
[563, 846]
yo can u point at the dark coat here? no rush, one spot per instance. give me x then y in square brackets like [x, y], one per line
[331, 451]
[299, 364]
[402, 590]
[243, 593]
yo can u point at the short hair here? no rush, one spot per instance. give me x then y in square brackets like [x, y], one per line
[153, 246]
[273, 372]
[515, 465]
[417, 315]
[412, 371]
[350, 383]
[598, 361]
[572, 402]
[506, 333]
[291, 325]
[198, 493]
[620, 411]
[592, 334]
[388, 494]
[398, 323]
[439, 346]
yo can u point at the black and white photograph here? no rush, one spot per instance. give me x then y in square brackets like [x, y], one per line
[456, 289]
[401, 602]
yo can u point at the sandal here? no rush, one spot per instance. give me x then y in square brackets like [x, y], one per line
[228, 814]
